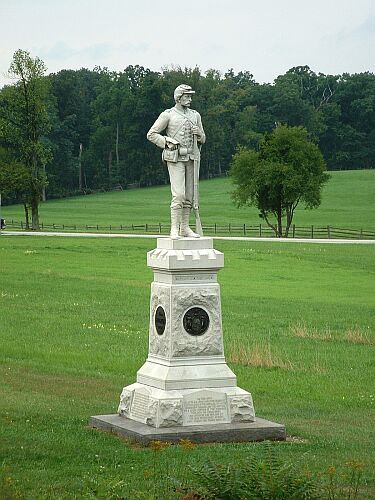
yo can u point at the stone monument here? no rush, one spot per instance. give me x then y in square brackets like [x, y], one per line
[185, 389]
[185, 380]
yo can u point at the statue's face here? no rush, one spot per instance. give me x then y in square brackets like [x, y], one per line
[185, 100]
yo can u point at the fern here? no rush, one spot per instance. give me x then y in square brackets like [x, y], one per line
[263, 477]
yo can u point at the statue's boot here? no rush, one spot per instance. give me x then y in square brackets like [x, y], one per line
[176, 214]
[185, 229]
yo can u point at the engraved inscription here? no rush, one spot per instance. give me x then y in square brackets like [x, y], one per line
[140, 404]
[191, 278]
[205, 407]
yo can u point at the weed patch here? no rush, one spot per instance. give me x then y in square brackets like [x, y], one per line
[300, 330]
[356, 336]
[258, 354]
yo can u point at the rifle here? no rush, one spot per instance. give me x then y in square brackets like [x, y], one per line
[197, 156]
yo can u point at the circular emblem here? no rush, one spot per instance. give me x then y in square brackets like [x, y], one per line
[160, 320]
[196, 321]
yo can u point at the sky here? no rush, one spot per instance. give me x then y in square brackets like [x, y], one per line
[264, 37]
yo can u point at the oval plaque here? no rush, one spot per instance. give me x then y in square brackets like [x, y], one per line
[160, 320]
[196, 321]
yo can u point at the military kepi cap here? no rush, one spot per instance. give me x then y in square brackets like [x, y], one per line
[181, 90]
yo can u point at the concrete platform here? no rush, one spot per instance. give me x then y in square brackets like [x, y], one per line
[260, 430]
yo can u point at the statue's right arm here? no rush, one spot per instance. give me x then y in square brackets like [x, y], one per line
[154, 134]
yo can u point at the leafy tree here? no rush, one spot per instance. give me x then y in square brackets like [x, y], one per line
[355, 96]
[15, 180]
[316, 89]
[24, 121]
[62, 171]
[73, 123]
[246, 127]
[287, 169]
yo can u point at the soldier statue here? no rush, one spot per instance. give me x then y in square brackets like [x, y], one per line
[181, 124]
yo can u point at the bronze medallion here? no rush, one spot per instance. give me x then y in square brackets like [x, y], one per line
[160, 320]
[196, 321]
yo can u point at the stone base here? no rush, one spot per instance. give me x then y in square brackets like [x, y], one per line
[260, 430]
[186, 407]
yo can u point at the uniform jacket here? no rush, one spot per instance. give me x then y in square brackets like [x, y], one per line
[178, 126]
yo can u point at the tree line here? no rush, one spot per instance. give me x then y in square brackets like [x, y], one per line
[92, 135]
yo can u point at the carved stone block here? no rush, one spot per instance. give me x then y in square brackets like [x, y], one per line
[184, 344]
[241, 408]
[125, 402]
[170, 413]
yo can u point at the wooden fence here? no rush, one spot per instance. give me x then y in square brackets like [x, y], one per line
[259, 230]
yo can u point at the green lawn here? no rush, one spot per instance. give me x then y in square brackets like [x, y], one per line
[298, 325]
[348, 202]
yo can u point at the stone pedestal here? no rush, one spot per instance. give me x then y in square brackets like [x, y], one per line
[185, 382]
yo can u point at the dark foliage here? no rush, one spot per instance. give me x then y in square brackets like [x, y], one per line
[99, 120]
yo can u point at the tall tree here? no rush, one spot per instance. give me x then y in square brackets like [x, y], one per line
[15, 180]
[287, 169]
[356, 97]
[24, 123]
[72, 125]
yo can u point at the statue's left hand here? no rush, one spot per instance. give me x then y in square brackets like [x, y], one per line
[195, 129]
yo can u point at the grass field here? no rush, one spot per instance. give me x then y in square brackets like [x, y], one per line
[348, 201]
[298, 325]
